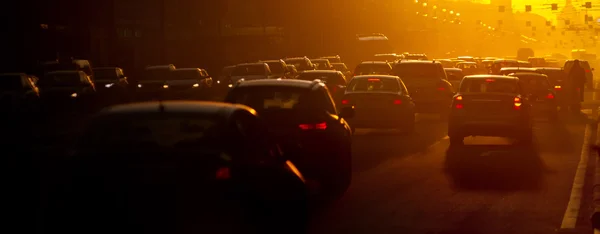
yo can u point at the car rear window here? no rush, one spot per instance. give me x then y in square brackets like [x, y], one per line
[532, 83]
[278, 99]
[299, 63]
[416, 70]
[369, 69]
[153, 132]
[489, 85]
[374, 85]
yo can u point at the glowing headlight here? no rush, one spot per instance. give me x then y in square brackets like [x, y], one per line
[108, 85]
[218, 81]
[165, 86]
[139, 85]
[74, 95]
[196, 85]
[230, 85]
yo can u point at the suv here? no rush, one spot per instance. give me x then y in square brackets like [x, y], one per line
[278, 68]
[427, 84]
[490, 105]
[303, 117]
[589, 75]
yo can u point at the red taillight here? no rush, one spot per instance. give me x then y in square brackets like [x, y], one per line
[345, 102]
[517, 104]
[319, 126]
[458, 98]
[397, 102]
[334, 89]
[441, 88]
[459, 106]
[588, 71]
[223, 173]
[550, 96]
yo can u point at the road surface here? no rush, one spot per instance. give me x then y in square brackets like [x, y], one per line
[418, 184]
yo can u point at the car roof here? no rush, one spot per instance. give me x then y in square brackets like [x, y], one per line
[527, 74]
[467, 63]
[452, 69]
[295, 58]
[390, 54]
[548, 68]
[69, 72]
[373, 62]
[420, 61]
[278, 82]
[375, 76]
[518, 68]
[321, 71]
[320, 59]
[422, 55]
[331, 56]
[338, 64]
[506, 60]
[188, 69]
[252, 64]
[199, 107]
[105, 68]
[270, 61]
[490, 76]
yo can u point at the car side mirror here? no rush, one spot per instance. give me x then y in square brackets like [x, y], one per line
[347, 112]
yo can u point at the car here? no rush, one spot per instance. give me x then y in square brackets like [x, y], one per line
[225, 77]
[301, 63]
[470, 68]
[164, 163]
[322, 64]
[335, 81]
[455, 75]
[427, 84]
[540, 94]
[343, 68]
[18, 92]
[188, 83]
[67, 90]
[251, 71]
[500, 63]
[466, 58]
[278, 68]
[373, 68]
[153, 82]
[508, 70]
[557, 79]
[112, 84]
[303, 117]
[446, 63]
[490, 105]
[380, 102]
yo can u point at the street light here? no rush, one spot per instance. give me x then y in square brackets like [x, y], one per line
[424, 4]
[452, 12]
[457, 14]
[444, 10]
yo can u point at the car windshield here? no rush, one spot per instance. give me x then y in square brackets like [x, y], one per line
[152, 132]
[158, 74]
[11, 83]
[105, 74]
[489, 85]
[553, 75]
[61, 80]
[374, 85]
[373, 69]
[187, 74]
[321, 64]
[249, 70]
[276, 67]
[416, 70]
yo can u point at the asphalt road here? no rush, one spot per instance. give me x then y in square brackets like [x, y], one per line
[418, 184]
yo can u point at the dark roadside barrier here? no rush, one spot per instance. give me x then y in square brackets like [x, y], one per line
[596, 189]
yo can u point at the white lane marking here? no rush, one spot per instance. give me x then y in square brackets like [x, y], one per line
[570, 218]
